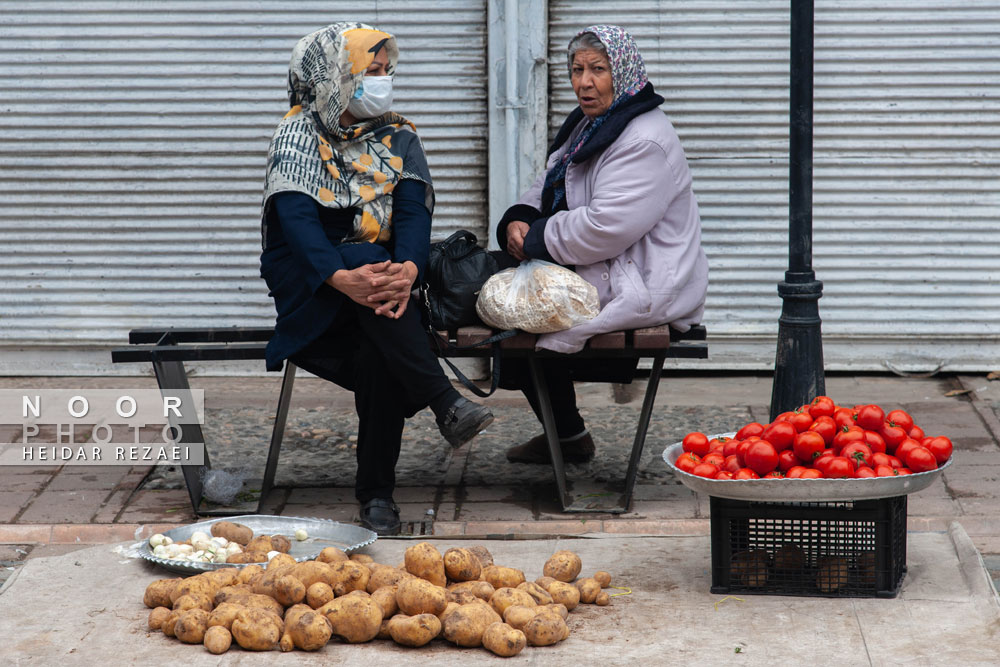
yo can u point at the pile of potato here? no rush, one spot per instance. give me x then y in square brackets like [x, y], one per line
[229, 543]
[461, 596]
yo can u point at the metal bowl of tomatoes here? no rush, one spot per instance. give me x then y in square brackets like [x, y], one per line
[800, 490]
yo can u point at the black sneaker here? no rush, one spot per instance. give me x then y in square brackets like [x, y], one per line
[381, 515]
[463, 421]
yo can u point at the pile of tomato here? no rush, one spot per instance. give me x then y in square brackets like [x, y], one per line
[818, 440]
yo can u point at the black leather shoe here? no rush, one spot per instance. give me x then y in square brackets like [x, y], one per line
[380, 515]
[463, 421]
[536, 450]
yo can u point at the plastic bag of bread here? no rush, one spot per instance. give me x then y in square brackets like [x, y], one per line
[537, 297]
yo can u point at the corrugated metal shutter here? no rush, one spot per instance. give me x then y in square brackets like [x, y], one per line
[907, 161]
[133, 138]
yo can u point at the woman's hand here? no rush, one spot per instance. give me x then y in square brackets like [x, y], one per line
[360, 283]
[394, 287]
[516, 231]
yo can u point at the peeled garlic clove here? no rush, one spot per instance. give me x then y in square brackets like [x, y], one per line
[301, 534]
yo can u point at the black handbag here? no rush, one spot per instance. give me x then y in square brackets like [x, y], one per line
[456, 270]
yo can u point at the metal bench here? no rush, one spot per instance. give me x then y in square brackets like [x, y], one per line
[168, 349]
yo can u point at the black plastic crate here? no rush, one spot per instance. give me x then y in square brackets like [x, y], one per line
[832, 549]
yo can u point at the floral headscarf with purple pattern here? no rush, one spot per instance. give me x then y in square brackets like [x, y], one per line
[628, 76]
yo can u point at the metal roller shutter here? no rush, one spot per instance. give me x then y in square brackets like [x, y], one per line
[907, 161]
[134, 137]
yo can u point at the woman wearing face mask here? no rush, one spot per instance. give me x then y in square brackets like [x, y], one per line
[615, 203]
[346, 231]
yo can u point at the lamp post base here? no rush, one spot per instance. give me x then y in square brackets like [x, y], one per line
[798, 362]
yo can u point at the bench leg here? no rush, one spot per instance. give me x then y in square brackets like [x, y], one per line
[278, 434]
[171, 375]
[549, 424]
[641, 428]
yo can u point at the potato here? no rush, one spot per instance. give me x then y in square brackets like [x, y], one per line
[452, 606]
[158, 593]
[288, 590]
[281, 543]
[465, 626]
[544, 582]
[248, 573]
[191, 626]
[224, 615]
[385, 597]
[226, 576]
[563, 566]
[309, 572]
[331, 555]
[483, 554]
[424, 561]
[194, 601]
[414, 630]
[502, 577]
[505, 597]
[285, 644]
[319, 594]
[565, 594]
[362, 558]
[281, 561]
[261, 543]
[309, 630]
[789, 556]
[461, 565]
[383, 575]
[750, 567]
[347, 576]
[217, 639]
[589, 588]
[481, 589]
[517, 615]
[504, 640]
[383, 630]
[462, 597]
[603, 578]
[234, 532]
[156, 617]
[831, 574]
[257, 601]
[545, 629]
[540, 595]
[171, 622]
[257, 630]
[354, 618]
[247, 557]
[196, 584]
[559, 609]
[602, 599]
[226, 593]
[419, 596]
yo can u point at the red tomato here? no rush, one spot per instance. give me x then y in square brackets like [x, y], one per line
[904, 448]
[870, 417]
[848, 435]
[687, 461]
[895, 462]
[826, 427]
[917, 433]
[724, 474]
[705, 470]
[717, 444]
[839, 467]
[774, 474]
[787, 459]
[822, 406]
[940, 447]
[807, 445]
[801, 420]
[823, 460]
[900, 418]
[844, 417]
[779, 434]
[880, 459]
[746, 473]
[903, 471]
[753, 428]
[875, 441]
[761, 457]
[864, 471]
[696, 443]
[732, 464]
[714, 458]
[811, 473]
[731, 447]
[795, 472]
[861, 453]
[885, 471]
[893, 436]
[920, 459]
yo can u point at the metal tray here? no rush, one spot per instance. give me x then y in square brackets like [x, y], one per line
[800, 490]
[322, 533]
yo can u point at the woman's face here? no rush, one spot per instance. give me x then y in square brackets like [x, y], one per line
[592, 82]
[379, 64]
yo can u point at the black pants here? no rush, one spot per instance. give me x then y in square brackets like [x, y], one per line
[390, 367]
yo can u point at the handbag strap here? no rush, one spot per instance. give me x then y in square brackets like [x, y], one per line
[493, 341]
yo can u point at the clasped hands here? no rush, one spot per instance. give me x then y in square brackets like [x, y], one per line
[385, 286]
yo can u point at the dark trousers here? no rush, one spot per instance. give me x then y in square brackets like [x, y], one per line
[390, 367]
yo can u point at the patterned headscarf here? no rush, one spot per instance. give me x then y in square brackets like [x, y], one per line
[628, 75]
[354, 167]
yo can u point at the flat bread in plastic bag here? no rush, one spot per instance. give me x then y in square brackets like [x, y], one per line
[537, 297]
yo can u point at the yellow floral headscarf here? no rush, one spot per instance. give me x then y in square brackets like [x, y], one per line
[354, 167]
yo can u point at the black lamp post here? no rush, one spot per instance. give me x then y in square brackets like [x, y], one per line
[798, 362]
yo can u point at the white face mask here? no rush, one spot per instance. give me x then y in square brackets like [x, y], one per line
[373, 98]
